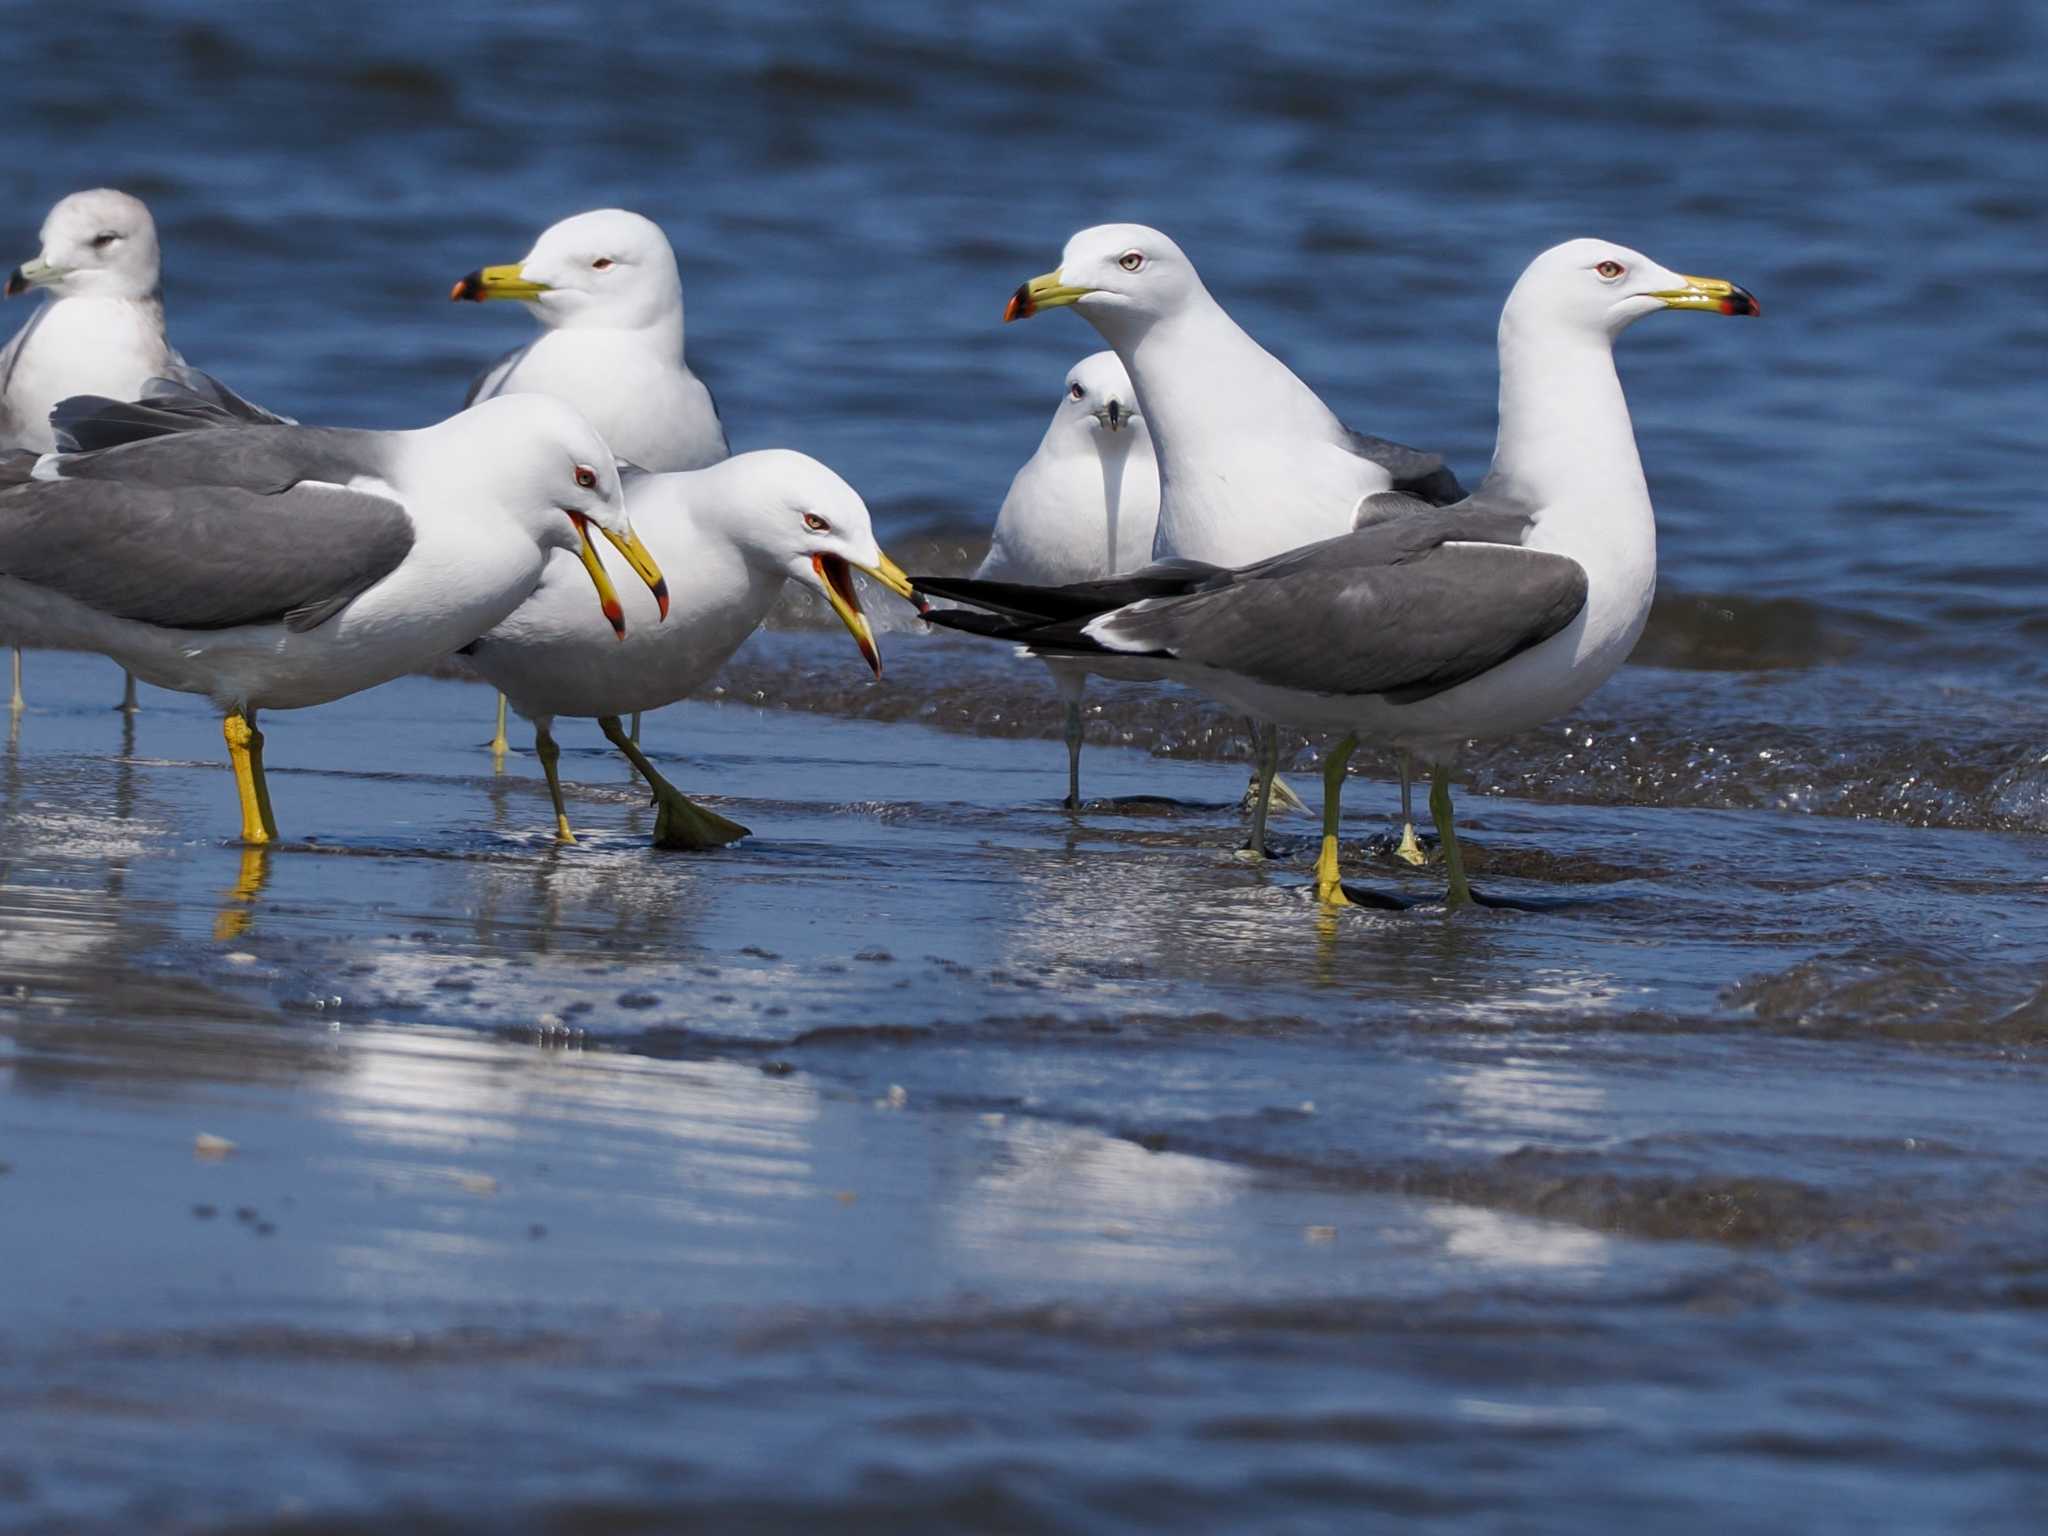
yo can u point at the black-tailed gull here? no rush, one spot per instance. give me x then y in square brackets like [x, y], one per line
[1252, 462]
[274, 567]
[1430, 626]
[733, 535]
[605, 289]
[98, 331]
[1084, 506]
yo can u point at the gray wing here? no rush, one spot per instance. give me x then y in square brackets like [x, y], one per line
[182, 401]
[250, 458]
[201, 556]
[492, 380]
[1417, 600]
[1406, 630]
[1424, 475]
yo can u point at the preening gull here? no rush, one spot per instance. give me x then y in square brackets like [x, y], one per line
[1083, 507]
[1251, 461]
[605, 289]
[733, 535]
[274, 567]
[98, 331]
[1429, 626]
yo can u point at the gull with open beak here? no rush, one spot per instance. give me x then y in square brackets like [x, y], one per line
[1429, 626]
[734, 535]
[277, 566]
[606, 291]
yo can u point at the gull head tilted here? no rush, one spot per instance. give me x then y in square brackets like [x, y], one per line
[534, 460]
[788, 513]
[1599, 288]
[100, 243]
[1097, 396]
[607, 269]
[1120, 277]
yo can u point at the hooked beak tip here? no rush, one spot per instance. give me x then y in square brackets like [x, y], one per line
[470, 287]
[17, 283]
[1741, 301]
[1020, 306]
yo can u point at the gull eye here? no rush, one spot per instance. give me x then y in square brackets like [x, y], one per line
[1077, 391]
[1610, 270]
[104, 239]
[816, 523]
[1131, 261]
[586, 477]
[602, 264]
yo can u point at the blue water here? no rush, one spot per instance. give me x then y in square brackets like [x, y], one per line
[936, 1160]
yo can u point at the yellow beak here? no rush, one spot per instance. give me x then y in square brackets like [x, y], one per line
[496, 283]
[1711, 293]
[836, 577]
[1042, 292]
[607, 594]
[642, 561]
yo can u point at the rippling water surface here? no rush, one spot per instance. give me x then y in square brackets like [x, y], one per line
[939, 1159]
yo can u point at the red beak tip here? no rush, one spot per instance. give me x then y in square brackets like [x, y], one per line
[1020, 307]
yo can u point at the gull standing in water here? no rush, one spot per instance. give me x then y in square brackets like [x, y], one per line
[1431, 626]
[605, 289]
[734, 535]
[275, 567]
[99, 330]
[1251, 462]
[1084, 506]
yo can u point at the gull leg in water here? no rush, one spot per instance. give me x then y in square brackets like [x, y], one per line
[245, 751]
[16, 704]
[1410, 850]
[499, 745]
[1265, 766]
[634, 731]
[679, 822]
[1259, 794]
[550, 754]
[128, 704]
[1329, 886]
[1460, 894]
[1071, 689]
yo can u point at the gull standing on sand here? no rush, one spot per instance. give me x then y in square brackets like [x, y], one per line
[99, 330]
[734, 534]
[605, 289]
[1084, 506]
[1430, 626]
[275, 567]
[1251, 462]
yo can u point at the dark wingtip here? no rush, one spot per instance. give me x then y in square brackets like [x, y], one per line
[1741, 302]
[470, 287]
[16, 284]
[1020, 306]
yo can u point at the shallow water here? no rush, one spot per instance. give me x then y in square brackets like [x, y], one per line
[940, 1159]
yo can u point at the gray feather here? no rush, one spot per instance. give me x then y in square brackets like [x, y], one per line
[1424, 475]
[201, 556]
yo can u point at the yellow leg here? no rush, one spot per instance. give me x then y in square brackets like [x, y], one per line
[16, 703]
[245, 751]
[232, 921]
[1460, 894]
[679, 822]
[499, 745]
[549, 754]
[1410, 851]
[1329, 887]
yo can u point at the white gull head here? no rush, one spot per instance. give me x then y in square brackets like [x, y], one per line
[100, 243]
